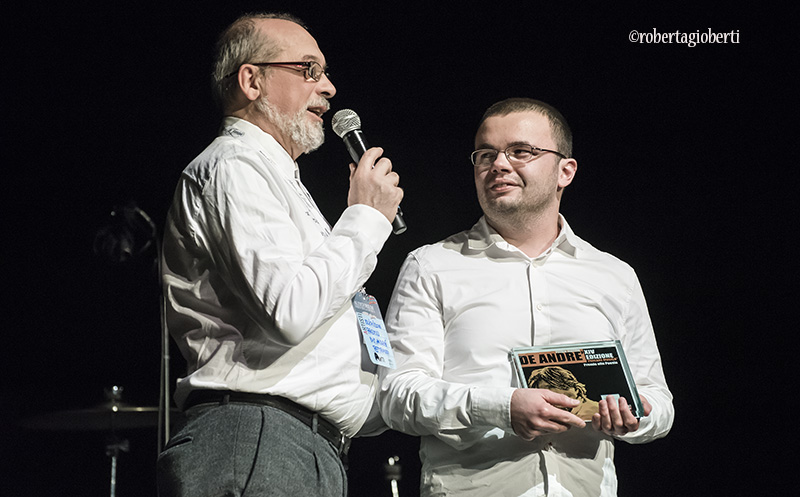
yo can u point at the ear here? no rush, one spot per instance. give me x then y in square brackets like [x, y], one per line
[249, 82]
[566, 172]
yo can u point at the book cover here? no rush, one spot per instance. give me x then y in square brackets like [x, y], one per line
[587, 371]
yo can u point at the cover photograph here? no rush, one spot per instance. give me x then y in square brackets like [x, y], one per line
[587, 371]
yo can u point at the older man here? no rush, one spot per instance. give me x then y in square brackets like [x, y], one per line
[258, 285]
[519, 277]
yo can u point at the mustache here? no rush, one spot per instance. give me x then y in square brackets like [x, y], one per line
[320, 102]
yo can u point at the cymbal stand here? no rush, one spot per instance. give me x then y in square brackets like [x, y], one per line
[392, 470]
[113, 449]
[115, 444]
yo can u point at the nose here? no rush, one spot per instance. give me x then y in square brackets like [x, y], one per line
[325, 87]
[501, 163]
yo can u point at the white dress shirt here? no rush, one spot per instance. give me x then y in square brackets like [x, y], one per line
[458, 308]
[258, 285]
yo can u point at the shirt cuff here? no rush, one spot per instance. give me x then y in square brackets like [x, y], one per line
[491, 406]
[364, 221]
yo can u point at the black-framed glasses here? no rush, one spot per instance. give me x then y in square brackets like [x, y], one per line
[313, 70]
[516, 154]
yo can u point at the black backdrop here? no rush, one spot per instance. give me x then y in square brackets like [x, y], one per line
[680, 174]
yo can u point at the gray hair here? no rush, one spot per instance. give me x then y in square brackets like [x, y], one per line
[562, 134]
[243, 43]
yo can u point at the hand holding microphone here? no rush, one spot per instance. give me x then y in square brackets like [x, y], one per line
[372, 182]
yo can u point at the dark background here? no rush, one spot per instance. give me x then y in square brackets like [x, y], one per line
[681, 174]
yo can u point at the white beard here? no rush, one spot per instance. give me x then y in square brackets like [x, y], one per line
[307, 135]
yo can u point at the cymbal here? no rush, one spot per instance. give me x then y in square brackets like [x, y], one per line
[109, 416]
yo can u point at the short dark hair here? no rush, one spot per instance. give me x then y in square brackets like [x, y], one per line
[558, 124]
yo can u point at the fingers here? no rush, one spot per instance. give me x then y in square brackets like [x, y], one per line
[597, 421]
[617, 423]
[610, 420]
[373, 183]
[394, 178]
[629, 421]
[558, 399]
[531, 429]
[562, 416]
[554, 420]
[568, 419]
[372, 158]
[614, 417]
[535, 412]
[372, 164]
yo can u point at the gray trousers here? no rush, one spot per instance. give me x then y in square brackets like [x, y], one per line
[243, 450]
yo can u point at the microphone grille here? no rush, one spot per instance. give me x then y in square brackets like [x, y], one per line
[345, 121]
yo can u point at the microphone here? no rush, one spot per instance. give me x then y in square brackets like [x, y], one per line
[347, 126]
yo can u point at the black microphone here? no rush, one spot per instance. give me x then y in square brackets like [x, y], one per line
[347, 125]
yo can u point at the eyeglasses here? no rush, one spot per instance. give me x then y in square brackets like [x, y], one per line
[313, 70]
[516, 154]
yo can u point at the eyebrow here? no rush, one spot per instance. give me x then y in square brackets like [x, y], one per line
[518, 142]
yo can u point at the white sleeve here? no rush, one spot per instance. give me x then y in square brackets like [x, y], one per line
[641, 350]
[413, 397]
[285, 288]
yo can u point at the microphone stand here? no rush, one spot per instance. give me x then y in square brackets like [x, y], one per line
[164, 382]
[164, 395]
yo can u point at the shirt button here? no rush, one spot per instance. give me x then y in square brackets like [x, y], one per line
[539, 307]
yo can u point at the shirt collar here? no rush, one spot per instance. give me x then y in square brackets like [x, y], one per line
[245, 130]
[483, 237]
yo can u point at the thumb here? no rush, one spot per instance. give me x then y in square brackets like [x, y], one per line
[646, 405]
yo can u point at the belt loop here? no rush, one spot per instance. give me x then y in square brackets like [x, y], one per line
[314, 422]
[225, 399]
